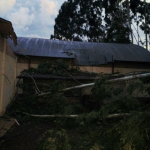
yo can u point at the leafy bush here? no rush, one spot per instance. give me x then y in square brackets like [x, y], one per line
[54, 140]
[59, 67]
[101, 90]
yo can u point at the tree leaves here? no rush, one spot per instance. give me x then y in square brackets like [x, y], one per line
[80, 20]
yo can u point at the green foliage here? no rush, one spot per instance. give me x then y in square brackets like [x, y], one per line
[77, 19]
[133, 86]
[52, 103]
[54, 140]
[145, 80]
[86, 20]
[96, 147]
[60, 63]
[58, 104]
[101, 90]
[56, 68]
[117, 91]
[117, 25]
[75, 69]
[83, 19]
[59, 67]
[148, 89]
[129, 131]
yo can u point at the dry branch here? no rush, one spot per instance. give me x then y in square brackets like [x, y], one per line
[37, 89]
[69, 74]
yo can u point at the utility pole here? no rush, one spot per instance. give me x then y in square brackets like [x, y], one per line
[145, 24]
[129, 23]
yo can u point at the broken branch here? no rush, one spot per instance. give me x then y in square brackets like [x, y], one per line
[69, 74]
[72, 116]
[37, 89]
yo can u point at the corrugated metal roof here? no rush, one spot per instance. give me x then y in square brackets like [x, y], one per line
[85, 53]
[40, 47]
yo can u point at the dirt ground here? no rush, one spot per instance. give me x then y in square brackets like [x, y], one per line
[23, 137]
[26, 135]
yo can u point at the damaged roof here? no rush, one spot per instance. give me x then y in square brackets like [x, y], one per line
[6, 29]
[85, 53]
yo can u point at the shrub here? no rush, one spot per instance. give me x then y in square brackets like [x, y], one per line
[54, 140]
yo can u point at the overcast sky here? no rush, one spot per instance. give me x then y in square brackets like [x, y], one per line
[34, 18]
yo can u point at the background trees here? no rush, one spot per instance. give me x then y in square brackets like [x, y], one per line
[102, 20]
[78, 19]
[117, 28]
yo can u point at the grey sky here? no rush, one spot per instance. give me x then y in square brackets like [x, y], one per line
[34, 18]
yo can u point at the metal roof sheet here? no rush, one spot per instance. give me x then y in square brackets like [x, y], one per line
[85, 53]
[6, 29]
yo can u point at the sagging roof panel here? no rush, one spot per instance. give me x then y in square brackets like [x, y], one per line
[6, 29]
[85, 53]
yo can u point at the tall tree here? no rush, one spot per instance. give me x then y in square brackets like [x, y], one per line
[98, 20]
[141, 15]
[78, 20]
[116, 22]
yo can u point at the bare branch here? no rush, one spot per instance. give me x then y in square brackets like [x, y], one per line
[37, 89]
[69, 74]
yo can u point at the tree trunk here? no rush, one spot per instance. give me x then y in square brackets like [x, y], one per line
[145, 25]
[129, 22]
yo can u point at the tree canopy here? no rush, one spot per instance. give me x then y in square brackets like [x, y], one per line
[100, 20]
[79, 18]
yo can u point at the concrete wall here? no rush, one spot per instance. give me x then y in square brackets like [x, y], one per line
[121, 67]
[97, 69]
[1, 59]
[127, 67]
[1, 64]
[7, 74]
[24, 62]
[118, 67]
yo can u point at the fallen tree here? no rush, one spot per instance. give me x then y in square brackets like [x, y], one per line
[91, 84]
[123, 122]
[72, 116]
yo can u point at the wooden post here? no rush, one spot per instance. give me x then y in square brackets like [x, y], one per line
[16, 72]
[113, 66]
[29, 63]
[3, 72]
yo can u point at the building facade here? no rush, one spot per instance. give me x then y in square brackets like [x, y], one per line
[8, 65]
[91, 57]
